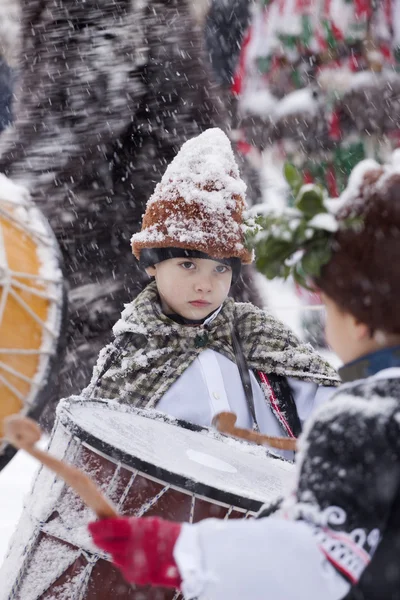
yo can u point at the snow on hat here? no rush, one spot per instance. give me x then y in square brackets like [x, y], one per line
[199, 203]
[362, 275]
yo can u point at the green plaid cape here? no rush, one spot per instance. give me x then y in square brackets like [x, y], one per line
[158, 350]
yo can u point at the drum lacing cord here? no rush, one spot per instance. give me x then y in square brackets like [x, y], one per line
[192, 505]
[9, 283]
[90, 556]
[150, 503]
[8, 384]
[92, 559]
[28, 309]
[110, 487]
[7, 277]
[230, 510]
[67, 456]
[17, 374]
[81, 587]
[31, 231]
[38, 523]
[8, 290]
[14, 593]
[12, 388]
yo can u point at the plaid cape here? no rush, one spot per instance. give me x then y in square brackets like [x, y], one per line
[157, 350]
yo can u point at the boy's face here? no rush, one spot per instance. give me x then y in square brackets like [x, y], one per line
[347, 337]
[191, 287]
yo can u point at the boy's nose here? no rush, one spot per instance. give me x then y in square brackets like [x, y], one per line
[203, 285]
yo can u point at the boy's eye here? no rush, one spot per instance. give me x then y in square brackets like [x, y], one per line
[222, 269]
[187, 265]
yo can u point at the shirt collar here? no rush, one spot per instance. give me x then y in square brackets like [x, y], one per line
[370, 364]
[205, 322]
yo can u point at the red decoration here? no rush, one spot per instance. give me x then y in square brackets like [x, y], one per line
[331, 182]
[240, 71]
[334, 127]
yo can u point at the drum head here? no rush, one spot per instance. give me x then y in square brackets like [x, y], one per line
[32, 307]
[203, 462]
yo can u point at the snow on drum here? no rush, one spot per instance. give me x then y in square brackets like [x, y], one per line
[148, 464]
[32, 305]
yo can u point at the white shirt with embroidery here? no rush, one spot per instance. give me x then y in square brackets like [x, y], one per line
[325, 534]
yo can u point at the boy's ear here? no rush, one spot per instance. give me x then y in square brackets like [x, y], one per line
[151, 271]
[361, 330]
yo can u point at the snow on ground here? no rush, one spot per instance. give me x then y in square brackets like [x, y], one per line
[15, 481]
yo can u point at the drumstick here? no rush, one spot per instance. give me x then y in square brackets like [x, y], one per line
[225, 423]
[23, 433]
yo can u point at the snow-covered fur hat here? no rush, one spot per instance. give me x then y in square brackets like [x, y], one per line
[362, 275]
[199, 203]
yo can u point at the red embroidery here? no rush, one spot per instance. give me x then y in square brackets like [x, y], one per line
[274, 403]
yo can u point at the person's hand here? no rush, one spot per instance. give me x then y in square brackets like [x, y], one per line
[141, 548]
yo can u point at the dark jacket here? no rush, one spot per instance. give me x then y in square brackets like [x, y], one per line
[226, 23]
[353, 461]
[6, 94]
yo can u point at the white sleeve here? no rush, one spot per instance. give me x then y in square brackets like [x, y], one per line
[308, 396]
[257, 559]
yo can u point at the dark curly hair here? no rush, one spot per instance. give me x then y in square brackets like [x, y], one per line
[363, 275]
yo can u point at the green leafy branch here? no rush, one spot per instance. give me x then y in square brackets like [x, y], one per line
[297, 241]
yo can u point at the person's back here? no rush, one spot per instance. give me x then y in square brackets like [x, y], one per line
[366, 265]
[364, 426]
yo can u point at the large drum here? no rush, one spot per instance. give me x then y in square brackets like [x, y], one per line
[32, 303]
[148, 464]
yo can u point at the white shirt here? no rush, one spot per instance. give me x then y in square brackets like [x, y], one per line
[255, 560]
[212, 384]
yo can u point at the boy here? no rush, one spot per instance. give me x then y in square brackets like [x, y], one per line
[182, 345]
[338, 535]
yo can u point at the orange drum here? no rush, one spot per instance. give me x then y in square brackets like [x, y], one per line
[148, 464]
[31, 305]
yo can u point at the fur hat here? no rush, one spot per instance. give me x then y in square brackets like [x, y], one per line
[362, 275]
[199, 203]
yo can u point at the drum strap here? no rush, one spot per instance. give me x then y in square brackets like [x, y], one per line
[244, 374]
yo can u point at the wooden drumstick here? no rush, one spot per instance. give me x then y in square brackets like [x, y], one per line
[225, 423]
[23, 433]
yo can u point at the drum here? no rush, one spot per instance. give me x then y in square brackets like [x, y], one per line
[148, 464]
[32, 305]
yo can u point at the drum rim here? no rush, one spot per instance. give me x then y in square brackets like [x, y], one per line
[50, 383]
[131, 462]
[50, 375]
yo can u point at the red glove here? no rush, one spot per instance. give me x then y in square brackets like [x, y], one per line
[141, 548]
